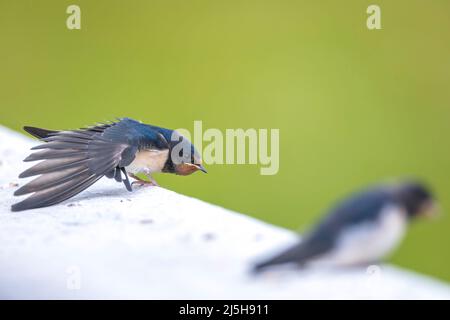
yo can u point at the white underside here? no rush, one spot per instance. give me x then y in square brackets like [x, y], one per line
[148, 161]
[370, 242]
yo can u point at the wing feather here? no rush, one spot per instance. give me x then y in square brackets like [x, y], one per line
[71, 161]
[53, 154]
[56, 194]
[46, 181]
[52, 165]
[74, 160]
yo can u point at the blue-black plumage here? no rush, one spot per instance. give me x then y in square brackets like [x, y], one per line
[74, 160]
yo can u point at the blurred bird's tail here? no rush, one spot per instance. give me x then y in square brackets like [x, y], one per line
[38, 132]
[292, 255]
[261, 266]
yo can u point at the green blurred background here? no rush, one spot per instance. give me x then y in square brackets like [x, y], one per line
[353, 106]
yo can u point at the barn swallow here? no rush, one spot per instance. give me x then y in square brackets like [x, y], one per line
[74, 160]
[361, 229]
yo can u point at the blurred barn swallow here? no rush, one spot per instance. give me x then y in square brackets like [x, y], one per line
[360, 230]
[76, 159]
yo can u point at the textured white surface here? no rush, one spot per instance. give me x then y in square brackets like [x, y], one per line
[156, 244]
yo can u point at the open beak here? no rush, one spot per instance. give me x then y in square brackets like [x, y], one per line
[201, 168]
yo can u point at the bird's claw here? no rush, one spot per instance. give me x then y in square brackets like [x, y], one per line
[144, 183]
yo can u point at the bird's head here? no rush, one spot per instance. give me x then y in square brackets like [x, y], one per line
[192, 165]
[417, 199]
[183, 158]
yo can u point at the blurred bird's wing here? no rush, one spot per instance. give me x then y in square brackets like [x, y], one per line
[74, 160]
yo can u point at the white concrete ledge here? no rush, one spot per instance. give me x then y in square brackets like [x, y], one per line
[157, 244]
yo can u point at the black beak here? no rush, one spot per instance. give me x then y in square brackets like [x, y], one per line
[201, 168]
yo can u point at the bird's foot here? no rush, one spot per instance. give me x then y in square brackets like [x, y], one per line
[142, 182]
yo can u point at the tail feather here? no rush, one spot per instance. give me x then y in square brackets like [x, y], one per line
[39, 132]
[291, 255]
[312, 247]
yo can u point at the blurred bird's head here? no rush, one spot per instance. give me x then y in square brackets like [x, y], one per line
[417, 199]
[183, 158]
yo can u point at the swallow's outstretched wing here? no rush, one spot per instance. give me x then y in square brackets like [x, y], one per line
[74, 160]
